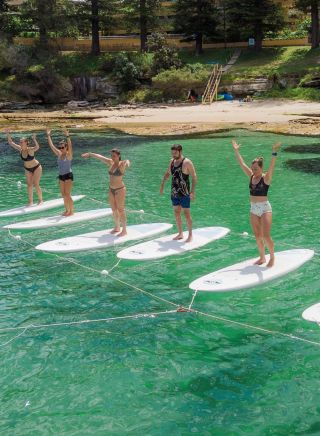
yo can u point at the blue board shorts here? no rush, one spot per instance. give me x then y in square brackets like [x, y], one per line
[184, 201]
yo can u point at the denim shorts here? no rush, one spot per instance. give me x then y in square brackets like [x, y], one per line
[184, 201]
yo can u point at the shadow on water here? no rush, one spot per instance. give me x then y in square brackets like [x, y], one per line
[305, 165]
[306, 148]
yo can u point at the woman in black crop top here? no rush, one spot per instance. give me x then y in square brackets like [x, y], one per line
[260, 211]
[117, 189]
[33, 168]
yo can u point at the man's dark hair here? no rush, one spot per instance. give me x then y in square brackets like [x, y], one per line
[177, 147]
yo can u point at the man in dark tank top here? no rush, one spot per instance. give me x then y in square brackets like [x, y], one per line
[181, 169]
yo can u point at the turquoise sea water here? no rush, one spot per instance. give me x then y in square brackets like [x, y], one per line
[175, 373]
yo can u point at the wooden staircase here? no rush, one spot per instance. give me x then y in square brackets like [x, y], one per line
[211, 91]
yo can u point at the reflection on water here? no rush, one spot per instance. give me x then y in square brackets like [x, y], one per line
[306, 148]
[305, 165]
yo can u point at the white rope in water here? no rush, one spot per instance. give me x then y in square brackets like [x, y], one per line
[103, 272]
[257, 328]
[179, 308]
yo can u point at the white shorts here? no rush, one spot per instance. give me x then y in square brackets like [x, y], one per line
[260, 208]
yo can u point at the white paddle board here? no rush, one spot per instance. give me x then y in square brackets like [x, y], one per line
[312, 313]
[245, 274]
[102, 239]
[166, 246]
[46, 205]
[59, 220]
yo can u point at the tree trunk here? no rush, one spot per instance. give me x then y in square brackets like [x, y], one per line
[315, 24]
[258, 36]
[41, 10]
[95, 41]
[143, 26]
[199, 42]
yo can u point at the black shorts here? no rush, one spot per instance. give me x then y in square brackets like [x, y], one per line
[64, 177]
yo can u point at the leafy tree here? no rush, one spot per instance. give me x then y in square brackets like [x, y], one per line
[10, 24]
[197, 18]
[311, 6]
[94, 16]
[253, 18]
[141, 14]
[47, 16]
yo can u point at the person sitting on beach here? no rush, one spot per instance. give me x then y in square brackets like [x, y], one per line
[64, 153]
[33, 169]
[180, 169]
[192, 96]
[117, 189]
[261, 211]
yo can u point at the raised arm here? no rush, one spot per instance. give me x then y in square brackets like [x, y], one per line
[269, 173]
[194, 178]
[242, 164]
[13, 144]
[99, 157]
[36, 143]
[165, 178]
[51, 145]
[68, 139]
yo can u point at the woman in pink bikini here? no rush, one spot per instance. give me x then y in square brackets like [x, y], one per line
[117, 189]
[260, 211]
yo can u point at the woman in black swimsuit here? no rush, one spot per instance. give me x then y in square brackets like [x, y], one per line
[117, 189]
[33, 169]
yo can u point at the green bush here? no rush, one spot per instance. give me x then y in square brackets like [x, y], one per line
[175, 83]
[145, 95]
[164, 57]
[126, 72]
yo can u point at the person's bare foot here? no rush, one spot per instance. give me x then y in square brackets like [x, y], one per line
[40, 202]
[65, 213]
[123, 233]
[69, 214]
[178, 237]
[189, 238]
[115, 231]
[260, 261]
[270, 263]
[29, 204]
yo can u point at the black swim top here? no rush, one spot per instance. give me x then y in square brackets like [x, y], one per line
[116, 173]
[260, 189]
[180, 185]
[29, 157]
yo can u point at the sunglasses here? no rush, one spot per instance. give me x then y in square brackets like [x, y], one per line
[62, 148]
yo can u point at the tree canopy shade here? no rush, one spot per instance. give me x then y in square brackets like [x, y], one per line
[197, 18]
[311, 6]
[48, 16]
[93, 15]
[143, 13]
[253, 18]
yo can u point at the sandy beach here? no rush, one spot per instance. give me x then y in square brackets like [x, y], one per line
[281, 116]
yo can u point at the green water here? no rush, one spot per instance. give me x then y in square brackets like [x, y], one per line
[176, 373]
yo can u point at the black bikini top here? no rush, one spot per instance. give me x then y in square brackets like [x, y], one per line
[260, 189]
[29, 157]
[116, 173]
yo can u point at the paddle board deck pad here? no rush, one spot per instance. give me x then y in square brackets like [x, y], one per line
[46, 205]
[166, 246]
[102, 239]
[312, 313]
[245, 274]
[59, 220]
